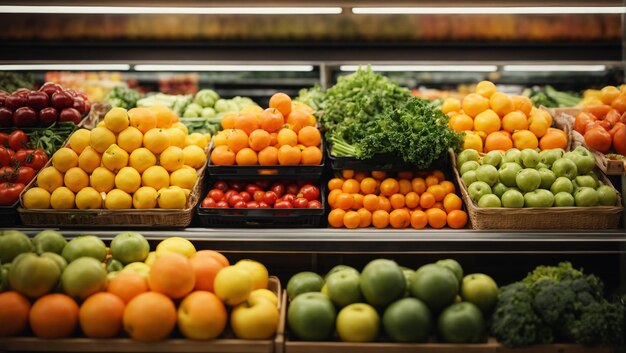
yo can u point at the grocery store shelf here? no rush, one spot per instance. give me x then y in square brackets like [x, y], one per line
[324, 240]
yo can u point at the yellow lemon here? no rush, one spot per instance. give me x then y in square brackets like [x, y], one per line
[156, 140]
[156, 177]
[101, 138]
[62, 198]
[79, 140]
[164, 115]
[197, 139]
[102, 179]
[141, 159]
[252, 109]
[485, 88]
[172, 158]
[501, 103]
[194, 156]
[139, 268]
[143, 119]
[117, 119]
[89, 159]
[88, 198]
[264, 294]
[150, 259]
[117, 199]
[177, 137]
[114, 158]
[175, 245]
[130, 139]
[38, 198]
[101, 124]
[219, 139]
[451, 105]
[145, 197]
[64, 159]
[172, 197]
[182, 127]
[128, 179]
[184, 177]
[76, 179]
[49, 178]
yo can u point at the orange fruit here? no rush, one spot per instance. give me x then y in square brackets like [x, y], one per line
[452, 202]
[358, 201]
[438, 192]
[419, 219]
[311, 156]
[360, 175]
[448, 186]
[309, 136]
[272, 120]
[418, 185]
[14, 309]
[287, 137]
[127, 285]
[474, 104]
[344, 201]
[143, 119]
[554, 138]
[538, 124]
[101, 314]
[427, 200]
[524, 139]
[515, 120]
[247, 122]
[437, 218]
[332, 197]
[397, 201]
[497, 141]
[389, 187]
[522, 103]
[462, 122]
[282, 102]
[215, 255]
[228, 121]
[351, 186]
[379, 174]
[380, 219]
[456, 219]
[365, 216]
[335, 183]
[172, 275]
[370, 202]
[384, 203]
[222, 155]
[54, 316]
[368, 185]
[412, 200]
[543, 113]
[335, 218]
[236, 139]
[351, 219]
[431, 180]
[501, 103]
[150, 316]
[405, 186]
[347, 174]
[289, 155]
[202, 316]
[487, 121]
[205, 269]
[298, 119]
[246, 156]
[485, 88]
[259, 139]
[399, 218]
[450, 105]
[268, 156]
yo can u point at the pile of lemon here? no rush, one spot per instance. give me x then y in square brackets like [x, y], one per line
[141, 158]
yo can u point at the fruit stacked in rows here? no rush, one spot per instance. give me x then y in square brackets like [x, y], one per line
[493, 120]
[208, 104]
[615, 97]
[55, 287]
[141, 158]
[262, 194]
[18, 165]
[51, 104]
[603, 127]
[436, 298]
[285, 134]
[527, 178]
[363, 199]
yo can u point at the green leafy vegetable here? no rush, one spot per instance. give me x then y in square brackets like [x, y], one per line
[122, 97]
[551, 98]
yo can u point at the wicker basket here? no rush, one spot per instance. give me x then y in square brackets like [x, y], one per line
[562, 218]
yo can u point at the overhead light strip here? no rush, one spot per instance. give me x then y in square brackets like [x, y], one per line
[551, 68]
[157, 10]
[424, 68]
[68, 67]
[191, 68]
[512, 10]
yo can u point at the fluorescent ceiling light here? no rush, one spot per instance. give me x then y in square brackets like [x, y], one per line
[549, 68]
[300, 68]
[68, 67]
[527, 10]
[134, 10]
[420, 68]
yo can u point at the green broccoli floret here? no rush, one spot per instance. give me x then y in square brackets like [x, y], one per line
[556, 273]
[600, 323]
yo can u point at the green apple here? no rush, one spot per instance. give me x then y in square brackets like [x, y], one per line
[340, 268]
[469, 177]
[311, 317]
[489, 201]
[49, 240]
[530, 158]
[584, 160]
[541, 165]
[488, 174]
[494, 158]
[607, 195]
[382, 282]
[548, 157]
[481, 290]
[564, 199]
[304, 282]
[408, 273]
[461, 323]
[358, 323]
[477, 189]
[343, 288]
[586, 180]
[528, 180]
[85, 245]
[208, 112]
[512, 199]
[565, 168]
[436, 285]
[539, 198]
[586, 197]
[467, 155]
[562, 184]
[499, 189]
[513, 155]
[129, 247]
[454, 266]
[469, 165]
[547, 178]
[408, 320]
[508, 172]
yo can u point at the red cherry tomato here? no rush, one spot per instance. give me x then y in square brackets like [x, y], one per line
[221, 204]
[279, 189]
[315, 204]
[228, 194]
[258, 195]
[282, 204]
[310, 192]
[240, 204]
[252, 188]
[216, 194]
[263, 204]
[245, 196]
[252, 204]
[289, 198]
[234, 199]
[301, 202]
[270, 197]
[208, 203]
[221, 185]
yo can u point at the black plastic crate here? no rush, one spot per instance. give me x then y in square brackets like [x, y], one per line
[8, 215]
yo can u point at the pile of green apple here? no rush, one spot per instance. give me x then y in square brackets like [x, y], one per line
[389, 302]
[527, 178]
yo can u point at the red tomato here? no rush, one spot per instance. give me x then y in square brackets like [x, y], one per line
[228, 194]
[23, 155]
[301, 202]
[289, 198]
[581, 121]
[279, 189]
[25, 175]
[240, 204]
[619, 103]
[18, 140]
[222, 204]
[216, 194]
[251, 188]
[221, 185]
[6, 158]
[9, 193]
[8, 174]
[245, 196]
[613, 116]
[4, 139]
[252, 204]
[270, 197]
[258, 195]
[619, 139]
[236, 185]
[292, 189]
[315, 204]
[234, 199]
[263, 204]
[599, 139]
[282, 204]
[598, 110]
[603, 123]
[208, 203]
[310, 192]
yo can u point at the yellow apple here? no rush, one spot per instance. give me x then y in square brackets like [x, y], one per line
[254, 319]
[202, 316]
[264, 294]
[257, 271]
[233, 285]
[138, 267]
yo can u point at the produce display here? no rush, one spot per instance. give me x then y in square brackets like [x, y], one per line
[45, 107]
[366, 114]
[205, 114]
[262, 194]
[388, 302]
[12, 81]
[604, 126]
[56, 287]
[95, 84]
[551, 98]
[607, 95]
[285, 134]
[494, 120]
[122, 97]
[177, 103]
[361, 199]
[527, 178]
[114, 166]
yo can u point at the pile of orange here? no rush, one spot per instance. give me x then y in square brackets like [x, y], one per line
[283, 134]
[494, 120]
[363, 199]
